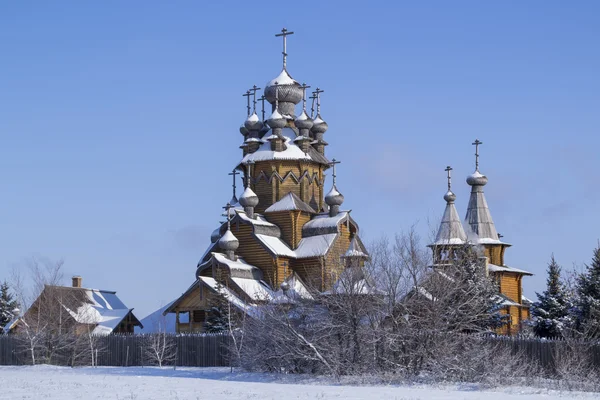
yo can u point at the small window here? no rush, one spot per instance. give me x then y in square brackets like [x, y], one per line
[198, 316]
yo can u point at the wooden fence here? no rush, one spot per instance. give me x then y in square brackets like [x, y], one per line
[207, 350]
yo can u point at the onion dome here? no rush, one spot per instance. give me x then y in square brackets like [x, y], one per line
[248, 198]
[303, 121]
[243, 130]
[228, 242]
[289, 90]
[334, 198]
[253, 123]
[276, 120]
[450, 197]
[477, 179]
[319, 125]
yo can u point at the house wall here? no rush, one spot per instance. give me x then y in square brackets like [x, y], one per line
[254, 253]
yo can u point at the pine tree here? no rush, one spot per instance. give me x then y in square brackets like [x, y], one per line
[217, 320]
[550, 312]
[587, 311]
[8, 305]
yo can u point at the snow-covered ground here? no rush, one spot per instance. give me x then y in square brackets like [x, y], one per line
[54, 383]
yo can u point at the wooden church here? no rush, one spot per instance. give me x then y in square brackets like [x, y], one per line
[286, 235]
[481, 233]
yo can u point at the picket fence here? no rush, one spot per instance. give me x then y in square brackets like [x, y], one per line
[200, 350]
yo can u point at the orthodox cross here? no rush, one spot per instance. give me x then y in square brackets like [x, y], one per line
[254, 89]
[262, 100]
[333, 164]
[228, 208]
[312, 107]
[284, 33]
[247, 95]
[304, 87]
[317, 94]
[234, 173]
[448, 169]
[476, 143]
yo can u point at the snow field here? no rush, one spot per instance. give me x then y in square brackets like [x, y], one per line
[60, 383]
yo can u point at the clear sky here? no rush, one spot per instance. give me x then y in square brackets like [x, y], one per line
[119, 123]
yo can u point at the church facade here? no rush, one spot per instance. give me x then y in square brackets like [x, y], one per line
[286, 235]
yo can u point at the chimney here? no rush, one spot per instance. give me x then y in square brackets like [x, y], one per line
[77, 281]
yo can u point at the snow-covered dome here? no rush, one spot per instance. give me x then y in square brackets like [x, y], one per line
[228, 242]
[450, 197]
[276, 120]
[253, 123]
[334, 198]
[319, 125]
[477, 179]
[289, 90]
[303, 121]
[248, 198]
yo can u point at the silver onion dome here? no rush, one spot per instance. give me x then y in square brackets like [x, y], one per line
[276, 120]
[303, 121]
[477, 179]
[253, 123]
[243, 130]
[228, 242]
[334, 198]
[319, 125]
[450, 197]
[248, 198]
[290, 91]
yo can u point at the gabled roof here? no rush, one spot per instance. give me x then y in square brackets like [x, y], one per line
[290, 202]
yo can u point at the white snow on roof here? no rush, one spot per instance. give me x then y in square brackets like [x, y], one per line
[505, 301]
[289, 202]
[252, 118]
[451, 231]
[292, 151]
[283, 79]
[315, 246]
[498, 268]
[228, 295]
[239, 264]
[325, 221]
[259, 220]
[104, 309]
[255, 289]
[276, 245]
[318, 120]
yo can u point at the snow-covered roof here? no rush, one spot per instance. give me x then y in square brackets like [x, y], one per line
[291, 150]
[315, 246]
[498, 268]
[100, 307]
[255, 289]
[451, 231]
[228, 295]
[290, 202]
[238, 265]
[504, 301]
[355, 249]
[259, 220]
[324, 223]
[276, 245]
[297, 290]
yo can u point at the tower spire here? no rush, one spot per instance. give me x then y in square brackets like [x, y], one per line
[284, 33]
[334, 198]
[448, 170]
[451, 231]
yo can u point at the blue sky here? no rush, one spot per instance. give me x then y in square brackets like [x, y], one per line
[119, 123]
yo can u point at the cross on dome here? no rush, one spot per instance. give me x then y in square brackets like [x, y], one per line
[476, 143]
[284, 33]
[254, 89]
[247, 95]
[317, 94]
[333, 163]
[448, 170]
[304, 87]
[234, 173]
[312, 107]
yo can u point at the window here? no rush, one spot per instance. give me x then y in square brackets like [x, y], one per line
[198, 316]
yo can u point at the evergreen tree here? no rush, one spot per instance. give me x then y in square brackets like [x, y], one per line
[217, 319]
[587, 311]
[550, 312]
[8, 305]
